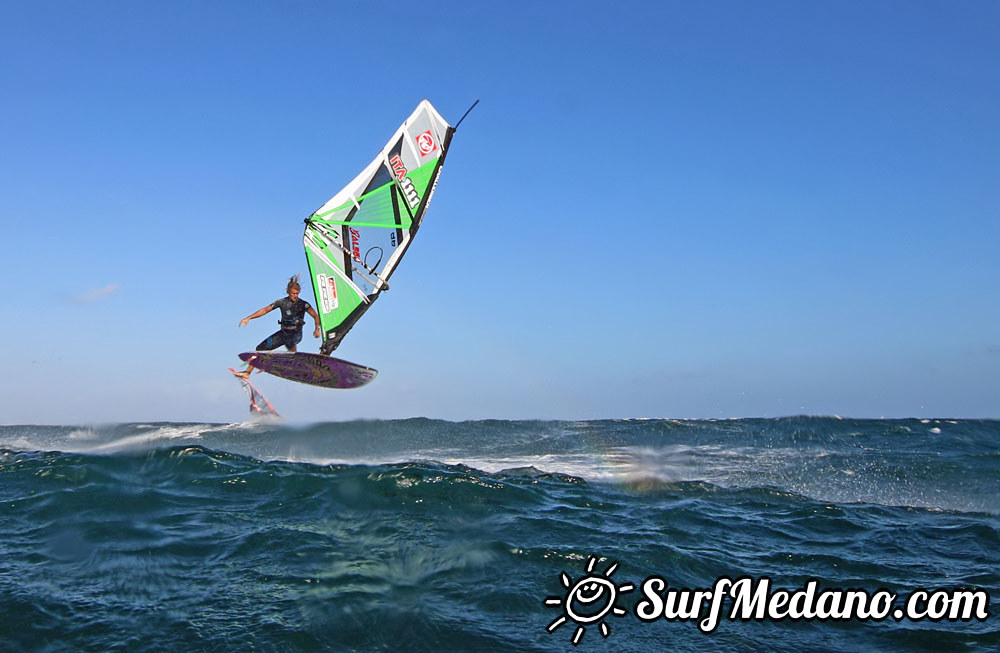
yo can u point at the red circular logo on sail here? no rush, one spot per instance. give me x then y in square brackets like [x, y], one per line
[425, 143]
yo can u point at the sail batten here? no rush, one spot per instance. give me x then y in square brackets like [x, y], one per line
[355, 241]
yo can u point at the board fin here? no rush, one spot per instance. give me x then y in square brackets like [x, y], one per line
[259, 405]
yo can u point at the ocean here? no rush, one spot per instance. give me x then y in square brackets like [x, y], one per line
[493, 535]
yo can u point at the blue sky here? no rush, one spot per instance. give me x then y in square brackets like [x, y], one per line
[722, 209]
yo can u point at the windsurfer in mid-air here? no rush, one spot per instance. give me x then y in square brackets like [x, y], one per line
[292, 311]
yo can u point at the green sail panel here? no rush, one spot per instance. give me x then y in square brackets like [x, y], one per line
[355, 241]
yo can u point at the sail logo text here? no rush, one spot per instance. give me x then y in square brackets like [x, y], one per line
[356, 244]
[425, 143]
[327, 292]
[412, 198]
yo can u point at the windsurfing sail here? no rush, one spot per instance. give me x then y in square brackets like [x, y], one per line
[258, 404]
[356, 239]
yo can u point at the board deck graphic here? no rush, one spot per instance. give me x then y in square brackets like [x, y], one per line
[311, 369]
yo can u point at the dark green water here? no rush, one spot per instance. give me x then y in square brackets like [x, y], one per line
[428, 535]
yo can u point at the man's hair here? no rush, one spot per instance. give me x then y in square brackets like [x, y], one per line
[293, 283]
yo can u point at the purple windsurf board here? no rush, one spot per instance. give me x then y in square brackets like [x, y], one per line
[313, 369]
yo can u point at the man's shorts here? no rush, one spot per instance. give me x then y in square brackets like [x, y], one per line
[289, 338]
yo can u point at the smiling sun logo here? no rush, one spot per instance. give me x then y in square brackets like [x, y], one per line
[588, 600]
